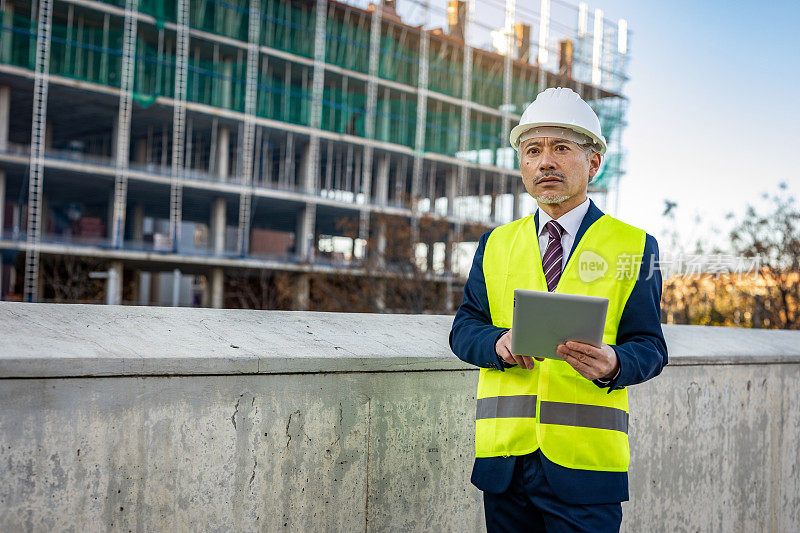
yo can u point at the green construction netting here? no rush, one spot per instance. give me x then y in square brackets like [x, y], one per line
[288, 27]
[487, 83]
[523, 89]
[282, 94]
[485, 134]
[445, 68]
[92, 52]
[609, 111]
[347, 45]
[396, 121]
[229, 18]
[398, 62]
[343, 112]
[442, 131]
[611, 169]
[154, 74]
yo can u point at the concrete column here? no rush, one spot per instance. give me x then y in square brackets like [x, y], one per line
[226, 98]
[304, 235]
[380, 243]
[5, 43]
[382, 180]
[308, 170]
[16, 219]
[380, 260]
[448, 250]
[5, 108]
[145, 280]
[110, 220]
[452, 187]
[517, 204]
[223, 153]
[305, 169]
[138, 223]
[217, 225]
[380, 296]
[217, 288]
[176, 287]
[114, 137]
[448, 298]
[363, 232]
[114, 284]
[302, 292]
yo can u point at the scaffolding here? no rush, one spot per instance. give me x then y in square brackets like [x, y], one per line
[91, 49]
[404, 105]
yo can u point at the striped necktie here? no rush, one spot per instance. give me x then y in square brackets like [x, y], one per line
[551, 262]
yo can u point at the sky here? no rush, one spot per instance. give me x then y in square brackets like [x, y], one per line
[714, 112]
[714, 107]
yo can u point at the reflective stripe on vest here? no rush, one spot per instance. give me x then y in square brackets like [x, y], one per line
[520, 406]
[585, 416]
[553, 408]
[564, 414]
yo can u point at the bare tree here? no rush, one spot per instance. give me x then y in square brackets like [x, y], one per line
[261, 289]
[768, 296]
[66, 279]
[773, 237]
[392, 277]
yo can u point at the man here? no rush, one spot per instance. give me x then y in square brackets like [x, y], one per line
[551, 435]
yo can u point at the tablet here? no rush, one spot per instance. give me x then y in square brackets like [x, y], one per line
[543, 320]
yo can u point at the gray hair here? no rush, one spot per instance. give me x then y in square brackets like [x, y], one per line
[588, 150]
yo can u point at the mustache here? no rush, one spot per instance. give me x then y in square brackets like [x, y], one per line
[551, 174]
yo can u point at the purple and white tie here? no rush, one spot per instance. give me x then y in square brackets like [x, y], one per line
[551, 262]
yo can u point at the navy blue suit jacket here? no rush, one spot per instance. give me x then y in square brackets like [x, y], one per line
[640, 347]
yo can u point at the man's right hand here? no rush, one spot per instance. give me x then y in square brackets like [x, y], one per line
[503, 349]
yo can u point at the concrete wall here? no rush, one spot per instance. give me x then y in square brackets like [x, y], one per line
[144, 419]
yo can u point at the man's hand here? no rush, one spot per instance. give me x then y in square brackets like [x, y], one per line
[503, 349]
[590, 362]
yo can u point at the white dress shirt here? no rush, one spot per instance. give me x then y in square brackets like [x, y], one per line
[570, 221]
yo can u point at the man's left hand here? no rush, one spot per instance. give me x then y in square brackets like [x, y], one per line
[589, 361]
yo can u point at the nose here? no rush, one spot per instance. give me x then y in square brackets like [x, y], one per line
[547, 162]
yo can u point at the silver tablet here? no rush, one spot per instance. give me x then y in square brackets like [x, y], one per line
[543, 320]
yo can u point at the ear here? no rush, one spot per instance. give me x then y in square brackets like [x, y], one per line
[594, 164]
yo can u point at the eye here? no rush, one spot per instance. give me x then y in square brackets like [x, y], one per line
[562, 147]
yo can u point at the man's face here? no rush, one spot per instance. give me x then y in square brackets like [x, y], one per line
[555, 170]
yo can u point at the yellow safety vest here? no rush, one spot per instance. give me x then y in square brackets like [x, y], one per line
[575, 423]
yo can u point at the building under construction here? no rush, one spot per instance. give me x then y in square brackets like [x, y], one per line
[277, 153]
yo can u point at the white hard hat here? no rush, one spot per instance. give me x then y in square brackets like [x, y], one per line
[561, 107]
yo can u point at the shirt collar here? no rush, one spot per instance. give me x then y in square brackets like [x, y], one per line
[570, 221]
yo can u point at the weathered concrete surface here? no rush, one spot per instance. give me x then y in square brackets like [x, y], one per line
[148, 419]
[716, 448]
[42, 340]
[238, 453]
